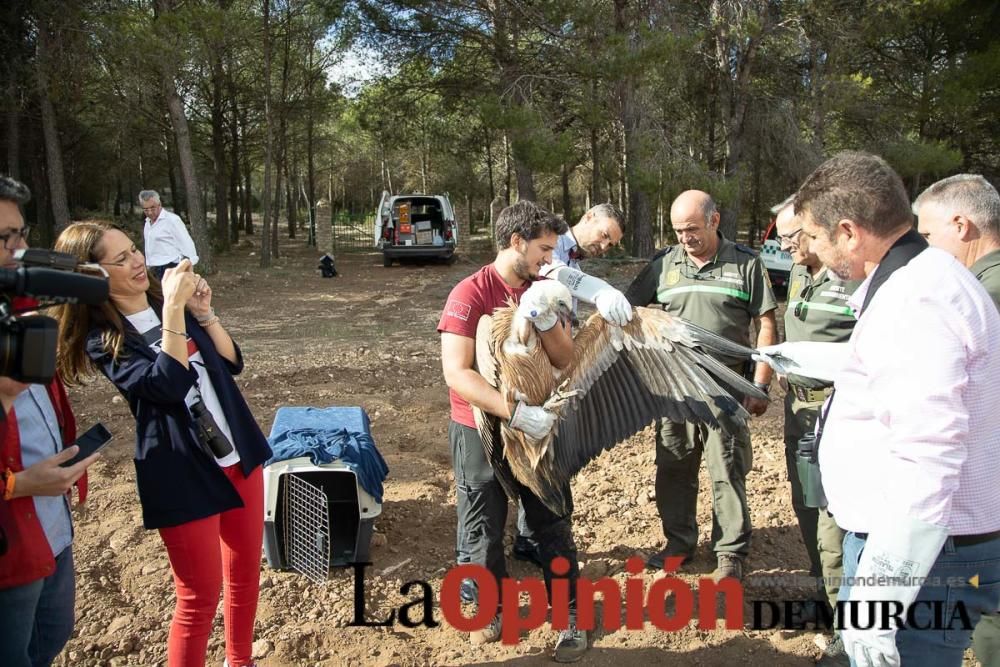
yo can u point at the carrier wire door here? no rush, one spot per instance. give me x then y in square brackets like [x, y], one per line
[307, 529]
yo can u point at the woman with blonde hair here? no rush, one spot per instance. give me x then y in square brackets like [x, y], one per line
[199, 451]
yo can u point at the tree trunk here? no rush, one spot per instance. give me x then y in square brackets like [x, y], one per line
[595, 176]
[265, 237]
[638, 198]
[489, 163]
[506, 169]
[310, 154]
[567, 202]
[13, 127]
[53, 150]
[176, 200]
[43, 211]
[291, 198]
[219, 155]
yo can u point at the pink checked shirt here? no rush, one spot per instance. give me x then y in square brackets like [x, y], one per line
[914, 427]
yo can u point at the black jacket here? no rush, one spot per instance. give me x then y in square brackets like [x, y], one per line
[178, 480]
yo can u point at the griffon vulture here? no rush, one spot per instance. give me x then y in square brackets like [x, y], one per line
[620, 380]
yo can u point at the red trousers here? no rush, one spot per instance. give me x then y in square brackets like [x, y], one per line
[205, 553]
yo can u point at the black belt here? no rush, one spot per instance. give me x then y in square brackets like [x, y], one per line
[970, 540]
[960, 540]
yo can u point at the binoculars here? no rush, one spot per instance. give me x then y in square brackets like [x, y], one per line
[208, 431]
[807, 463]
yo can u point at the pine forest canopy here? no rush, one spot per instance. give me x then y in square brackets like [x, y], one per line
[241, 108]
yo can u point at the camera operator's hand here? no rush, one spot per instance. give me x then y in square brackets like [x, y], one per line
[200, 303]
[179, 284]
[48, 478]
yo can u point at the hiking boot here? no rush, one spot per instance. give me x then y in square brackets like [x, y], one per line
[468, 591]
[655, 562]
[729, 565]
[571, 644]
[489, 634]
[834, 654]
[526, 549]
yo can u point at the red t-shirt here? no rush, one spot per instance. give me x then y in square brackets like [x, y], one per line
[479, 294]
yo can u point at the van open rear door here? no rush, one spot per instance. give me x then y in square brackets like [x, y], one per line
[381, 216]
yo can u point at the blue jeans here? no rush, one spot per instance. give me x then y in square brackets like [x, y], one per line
[36, 619]
[941, 647]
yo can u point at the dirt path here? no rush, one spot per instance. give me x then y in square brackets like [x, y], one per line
[368, 338]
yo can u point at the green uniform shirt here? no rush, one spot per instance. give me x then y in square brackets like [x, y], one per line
[722, 296]
[818, 311]
[987, 270]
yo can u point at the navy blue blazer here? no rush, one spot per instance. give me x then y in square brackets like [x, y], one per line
[178, 480]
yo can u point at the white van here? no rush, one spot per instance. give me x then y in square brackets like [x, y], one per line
[777, 262]
[417, 226]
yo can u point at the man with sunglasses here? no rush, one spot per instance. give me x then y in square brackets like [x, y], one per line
[37, 430]
[165, 238]
[721, 286]
[817, 311]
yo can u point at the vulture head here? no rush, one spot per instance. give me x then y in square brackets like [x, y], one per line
[545, 296]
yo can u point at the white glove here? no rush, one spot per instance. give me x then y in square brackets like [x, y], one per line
[610, 303]
[821, 361]
[533, 420]
[534, 308]
[901, 549]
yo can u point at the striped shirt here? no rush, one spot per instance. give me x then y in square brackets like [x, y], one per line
[914, 429]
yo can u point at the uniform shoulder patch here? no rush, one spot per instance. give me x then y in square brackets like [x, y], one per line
[746, 249]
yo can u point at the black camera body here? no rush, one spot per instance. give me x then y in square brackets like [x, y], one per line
[28, 343]
[208, 431]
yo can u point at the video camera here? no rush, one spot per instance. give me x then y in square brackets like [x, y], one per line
[28, 344]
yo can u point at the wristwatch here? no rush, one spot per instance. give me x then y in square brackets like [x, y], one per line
[764, 387]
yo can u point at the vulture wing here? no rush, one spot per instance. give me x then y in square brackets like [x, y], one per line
[489, 426]
[625, 378]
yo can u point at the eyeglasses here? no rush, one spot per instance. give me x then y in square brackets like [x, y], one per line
[789, 238]
[126, 256]
[16, 234]
[802, 307]
[147, 209]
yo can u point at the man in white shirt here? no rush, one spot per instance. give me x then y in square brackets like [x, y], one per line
[167, 240]
[909, 442]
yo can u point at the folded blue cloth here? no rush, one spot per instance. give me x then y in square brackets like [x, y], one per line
[298, 432]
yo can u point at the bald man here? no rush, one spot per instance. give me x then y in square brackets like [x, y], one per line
[721, 286]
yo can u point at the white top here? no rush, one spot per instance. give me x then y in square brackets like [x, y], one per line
[561, 257]
[147, 323]
[914, 425]
[167, 240]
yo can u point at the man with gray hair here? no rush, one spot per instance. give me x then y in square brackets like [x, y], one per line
[961, 215]
[167, 241]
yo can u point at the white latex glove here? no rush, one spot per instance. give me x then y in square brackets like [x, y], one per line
[610, 303]
[533, 420]
[901, 548]
[822, 361]
[535, 308]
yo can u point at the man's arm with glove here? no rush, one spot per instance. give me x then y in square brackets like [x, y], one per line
[901, 552]
[610, 303]
[821, 361]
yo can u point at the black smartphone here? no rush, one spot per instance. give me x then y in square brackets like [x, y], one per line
[94, 440]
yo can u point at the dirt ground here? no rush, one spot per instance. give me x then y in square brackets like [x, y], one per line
[368, 338]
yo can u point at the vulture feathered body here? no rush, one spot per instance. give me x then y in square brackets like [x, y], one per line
[621, 379]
